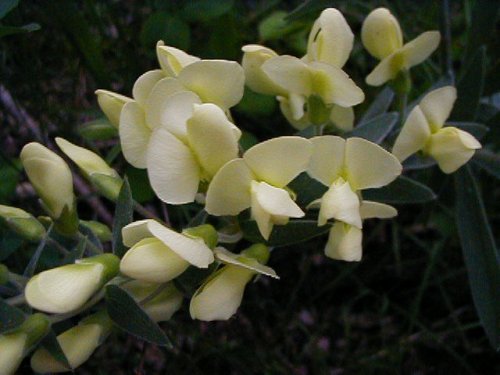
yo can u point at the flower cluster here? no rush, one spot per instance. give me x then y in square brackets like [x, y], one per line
[179, 127]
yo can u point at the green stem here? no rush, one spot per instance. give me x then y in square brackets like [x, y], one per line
[17, 300]
[93, 248]
[143, 211]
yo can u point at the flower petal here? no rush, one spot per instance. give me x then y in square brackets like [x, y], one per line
[385, 71]
[172, 112]
[344, 243]
[369, 210]
[334, 85]
[279, 160]
[111, 104]
[420, 48]
[331, 39]
[136, 231]
[290, 73]
[134, 134]
[211, 137]
[255, 78]
[64, 289]
[368, 165]
[172, 60]
[327, 160]
[340, 203]
[144, 85]
[229, 190]
[275, 201]
[381, 34]
[215, 81]
[152, 261]
[437, 106]
[452, 148]
[286, 109]
[173, 171]
[221, 295]
[342, 117]
[413, 136]
[228, 257]
[193, 250]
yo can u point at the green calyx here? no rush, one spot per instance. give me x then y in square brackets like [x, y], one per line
[35, 326]
[110, 262]
[317, 110]
[205, 232]
[258, 251]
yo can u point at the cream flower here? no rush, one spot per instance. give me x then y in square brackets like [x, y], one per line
[159, 254]
[424, 131]
[221, 294]
[105, 178]
[51, 177]
[163, 305]
[346, 167]
[67, 288]
[193, 143]
[14, 345]
[77, 343]
[319, 73]
[258, 180]
[22, 222]
[381, 35]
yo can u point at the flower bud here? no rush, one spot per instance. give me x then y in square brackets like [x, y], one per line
[14, 345]
[221, 294]
[104, 178]
[163, 305]
[111, 104]
[22, 223]
[67, 288]
[51, 177]
[253, 58]
[344, 242]
[77, 343]
[381, 34]
[101, 230]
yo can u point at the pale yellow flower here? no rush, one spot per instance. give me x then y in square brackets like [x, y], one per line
[423, 131]
[258, 181]
[221, 294]
[158, 254]
[382, 37]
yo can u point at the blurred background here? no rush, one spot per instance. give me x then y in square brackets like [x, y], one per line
[406, 308]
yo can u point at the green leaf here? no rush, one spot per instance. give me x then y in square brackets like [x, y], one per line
[256, 105]
[403, 190]
[123, 216]
[139, 184]
[6, 6]
[376, 129]
[189, 281]
[10, 30]
[51, 344]
[307, 189]
[9, 243]
[480, 253]
[283, 235]
[477, 130]
[275, 26]
[247, 140]
[482, 28]
[31, 267]
[131, 318]
[9, 175]
[379, 106]
[206, 10]
[417, 161]
[470, 88]
[163, 26]
[489, 161]
[10, 317]
[98, 130]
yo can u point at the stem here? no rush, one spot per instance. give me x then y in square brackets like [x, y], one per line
[93, 248]
[143, 211]
[17, 300]
[19, 281]
[402, 100]
[447, 40]
[58, 246]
